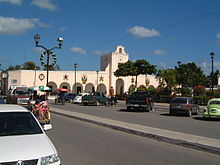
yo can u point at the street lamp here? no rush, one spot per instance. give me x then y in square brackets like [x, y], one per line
[97, 80]
[48, 52]
[75, 65]
[212, 54]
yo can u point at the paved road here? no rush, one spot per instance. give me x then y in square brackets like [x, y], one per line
[158, 118]
[80, 143]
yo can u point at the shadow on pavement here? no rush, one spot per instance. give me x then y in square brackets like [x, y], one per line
[132, 110]
[206, 119]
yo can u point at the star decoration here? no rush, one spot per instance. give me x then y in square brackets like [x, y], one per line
[101, 78]
[65, 77]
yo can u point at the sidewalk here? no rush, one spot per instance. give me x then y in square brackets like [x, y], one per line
[182, 139]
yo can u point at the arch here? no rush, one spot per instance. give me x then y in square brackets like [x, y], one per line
[89, 88]
[52, 85]
[101, 88]
[65, 85]
[77, 88]
[119, 87]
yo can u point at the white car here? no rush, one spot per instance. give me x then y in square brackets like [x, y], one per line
[23, 140]
[78, 98]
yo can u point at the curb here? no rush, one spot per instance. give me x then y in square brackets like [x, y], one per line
[186, 140]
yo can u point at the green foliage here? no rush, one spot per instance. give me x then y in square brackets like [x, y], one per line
[136, 68]
[29, 65]
[142, 88]
[167, 78]
[184, 91]
[189, 75]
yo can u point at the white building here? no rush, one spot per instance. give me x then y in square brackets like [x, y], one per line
[84, 81]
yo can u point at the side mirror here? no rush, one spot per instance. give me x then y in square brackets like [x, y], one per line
[47, 127]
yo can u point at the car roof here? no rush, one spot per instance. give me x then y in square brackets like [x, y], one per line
[12, 108]
[215, 99]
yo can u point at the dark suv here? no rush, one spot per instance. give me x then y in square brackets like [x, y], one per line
[183, 105]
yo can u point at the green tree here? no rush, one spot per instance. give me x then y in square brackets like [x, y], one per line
[167, 78]
[190, 75]
[30, 65]
[136, 68]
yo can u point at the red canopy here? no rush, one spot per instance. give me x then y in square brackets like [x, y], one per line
[62, 90]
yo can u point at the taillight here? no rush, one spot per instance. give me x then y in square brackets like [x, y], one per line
[126, 100]
[147, 100]
[187, 106]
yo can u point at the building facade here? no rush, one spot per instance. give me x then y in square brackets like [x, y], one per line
[84, 81]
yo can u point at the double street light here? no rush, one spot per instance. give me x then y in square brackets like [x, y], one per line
[48, 52]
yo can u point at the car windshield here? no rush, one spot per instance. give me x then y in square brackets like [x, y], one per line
[214, 102]
[18, 123]
[179, 100]
[140, 94]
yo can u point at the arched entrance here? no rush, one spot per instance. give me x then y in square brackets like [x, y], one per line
[89, 88]
[52, 85]
[119, 87]
[101, 88]
[65, 85]
[77, 88]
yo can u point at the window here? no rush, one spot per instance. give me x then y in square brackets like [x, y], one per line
[120, 50]
[13, 81]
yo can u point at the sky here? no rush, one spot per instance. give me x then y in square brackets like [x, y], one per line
[159, 31]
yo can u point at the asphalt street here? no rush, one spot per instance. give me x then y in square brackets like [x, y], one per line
[83, 143]
[159, 118]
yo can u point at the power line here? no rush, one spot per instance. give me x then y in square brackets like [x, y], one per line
[159, 28]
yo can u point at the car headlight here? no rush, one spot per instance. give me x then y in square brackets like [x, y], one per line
[49, 159]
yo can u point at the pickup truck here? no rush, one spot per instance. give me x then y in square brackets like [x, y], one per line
[97, 98]
[140, 101]
[18, 95]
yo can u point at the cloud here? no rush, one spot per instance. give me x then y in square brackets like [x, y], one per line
[162, 65]
[4, 59]
[206, 66]
[13, 2]
[159, 52]
[13, 26]
[218, 37]
[78, 50]
[142, 32]
[100, 52]
[45, 4]
[62, 29]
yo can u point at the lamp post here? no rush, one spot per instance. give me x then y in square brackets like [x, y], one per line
[212, 54]
[48, 52]
[75, 65]
[97, 80]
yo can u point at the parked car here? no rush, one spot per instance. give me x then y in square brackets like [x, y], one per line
[69, 96]
[78, 98]
[140, 101]
[18, 95]
[97, 98]
[213, 109]
[183, 105]
[22, 138]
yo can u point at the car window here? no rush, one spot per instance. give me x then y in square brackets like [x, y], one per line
[215, 102]
[179, 100]
[18, 123]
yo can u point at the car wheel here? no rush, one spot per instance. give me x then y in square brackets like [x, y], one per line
[128, 108]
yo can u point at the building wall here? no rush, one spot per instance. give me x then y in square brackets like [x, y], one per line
[85, 80]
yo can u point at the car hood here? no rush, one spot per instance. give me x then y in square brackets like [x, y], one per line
[25, 147]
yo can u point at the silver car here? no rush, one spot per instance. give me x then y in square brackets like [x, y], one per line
[183, 105]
